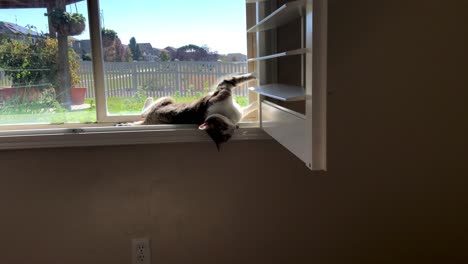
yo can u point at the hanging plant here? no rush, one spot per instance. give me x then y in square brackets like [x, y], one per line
[108, 37]
[65, 23]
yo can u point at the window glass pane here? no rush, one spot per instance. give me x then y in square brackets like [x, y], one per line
[43, 77]
[177, 48]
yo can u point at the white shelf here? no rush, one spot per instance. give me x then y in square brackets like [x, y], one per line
[281, 92]
[280, 16]
[281, 54]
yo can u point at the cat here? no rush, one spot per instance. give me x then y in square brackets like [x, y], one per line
[216, 113]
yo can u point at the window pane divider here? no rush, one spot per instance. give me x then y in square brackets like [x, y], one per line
[98, 59]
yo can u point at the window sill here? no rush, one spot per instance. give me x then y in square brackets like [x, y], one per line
[113, 136]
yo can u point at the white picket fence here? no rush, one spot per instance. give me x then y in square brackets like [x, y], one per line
[157, 79]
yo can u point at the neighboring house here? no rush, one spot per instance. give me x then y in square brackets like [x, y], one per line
[234, 57]
[14, 31]
[147, 52]
[82, 47]
[157, 51]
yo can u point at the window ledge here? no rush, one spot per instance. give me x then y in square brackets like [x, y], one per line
[113, 136]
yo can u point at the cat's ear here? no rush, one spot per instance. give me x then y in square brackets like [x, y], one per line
[203, 126]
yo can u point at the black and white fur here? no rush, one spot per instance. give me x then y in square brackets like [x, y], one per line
[217, 113]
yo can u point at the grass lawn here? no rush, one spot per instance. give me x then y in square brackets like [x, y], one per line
[40, 114]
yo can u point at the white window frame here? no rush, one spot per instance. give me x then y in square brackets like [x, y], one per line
[103, 133]
[102, 113]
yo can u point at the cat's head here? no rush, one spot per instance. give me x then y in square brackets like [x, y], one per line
[219, 128]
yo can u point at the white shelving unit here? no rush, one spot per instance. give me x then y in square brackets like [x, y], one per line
[288, 37]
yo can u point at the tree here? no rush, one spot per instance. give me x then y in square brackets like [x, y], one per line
[193, 52]
[164, 56]
[210, 55]
[190, 53]
[128, 55]
[114, 51]
[122, 54]
[136, 53]
[110, 54]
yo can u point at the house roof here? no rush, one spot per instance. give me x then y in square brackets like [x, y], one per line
[169, 48]
[11, 28]
[31, 4]
[146, 48]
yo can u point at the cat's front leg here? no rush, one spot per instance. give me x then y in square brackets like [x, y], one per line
[246, 110]
[147, 104]
[151, 105]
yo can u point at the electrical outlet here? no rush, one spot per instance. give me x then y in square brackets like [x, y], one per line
[141, 251]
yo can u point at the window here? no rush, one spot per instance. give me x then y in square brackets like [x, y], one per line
[50, 67]
[40, 72]
[169, 48]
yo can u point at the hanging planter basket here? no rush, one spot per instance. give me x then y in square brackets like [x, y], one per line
[72, 28]
[107, 42]
[65, 23]
[108, 37]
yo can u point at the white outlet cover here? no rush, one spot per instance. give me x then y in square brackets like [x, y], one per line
[141, 251]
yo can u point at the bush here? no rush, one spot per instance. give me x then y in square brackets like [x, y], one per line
[27, 63]
[30, 63]
[46, 103]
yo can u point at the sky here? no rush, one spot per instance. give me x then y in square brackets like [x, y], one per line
[218, 24]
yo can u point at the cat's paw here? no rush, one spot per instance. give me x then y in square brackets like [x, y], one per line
[122, 124]
[147, 102]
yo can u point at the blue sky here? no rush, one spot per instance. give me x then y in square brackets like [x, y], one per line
[219, 24]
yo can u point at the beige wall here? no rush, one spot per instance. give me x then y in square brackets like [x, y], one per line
[395, 191]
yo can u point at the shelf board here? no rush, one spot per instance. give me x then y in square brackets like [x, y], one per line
[281, 92]
[280, 16]
[281, 54]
